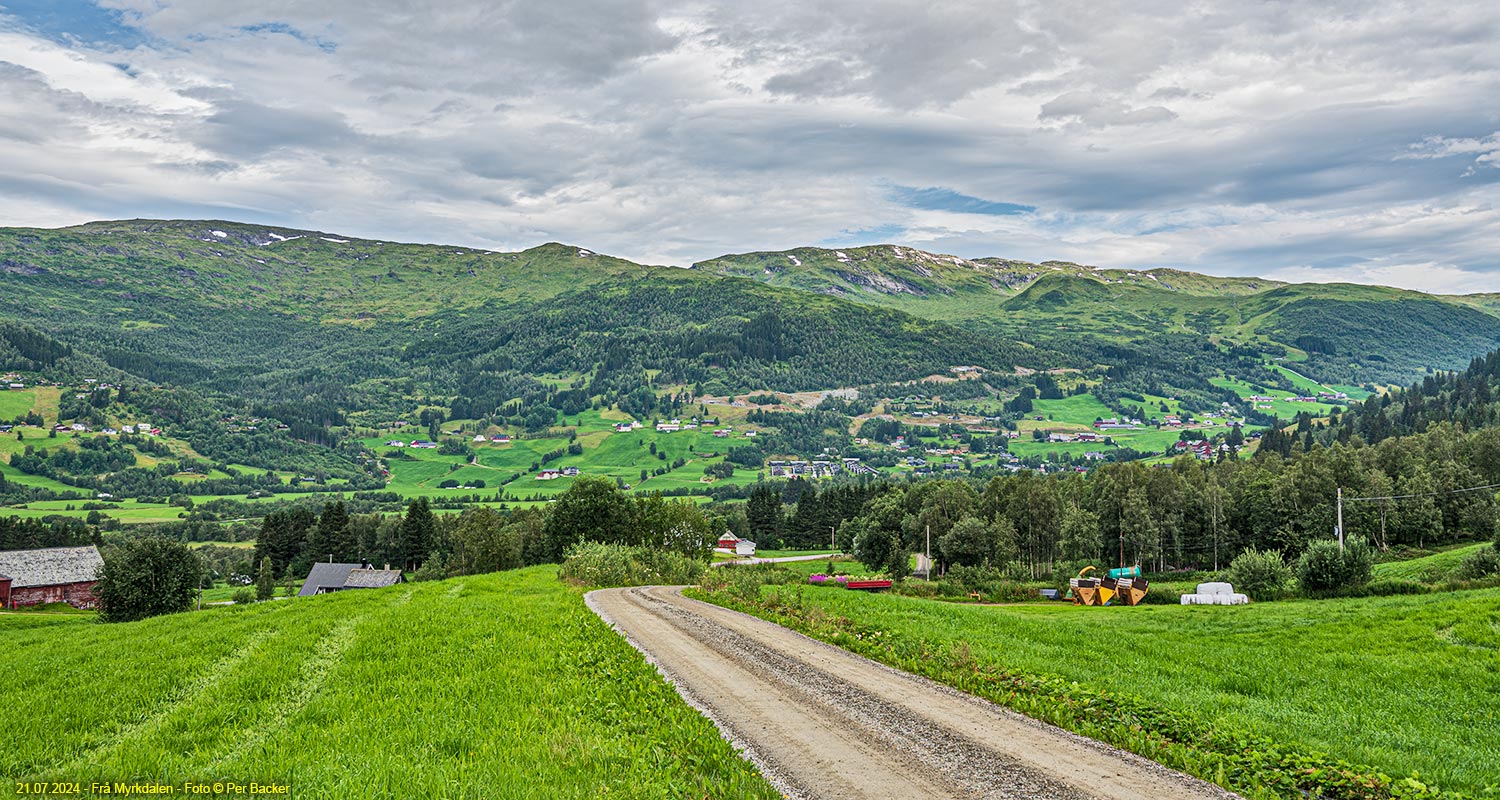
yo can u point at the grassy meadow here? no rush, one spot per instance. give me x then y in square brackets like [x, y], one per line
[491, 686]
[1428, 569]
[1392, 683]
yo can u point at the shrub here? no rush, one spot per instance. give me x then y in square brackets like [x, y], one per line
[1261, 574]
[599, 564]
[244, 596]
[1481, 563]
[1323, 569]
[145, 577]
[1162, 597]
[1390, 586]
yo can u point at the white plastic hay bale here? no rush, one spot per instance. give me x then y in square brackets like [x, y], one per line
[1215, 587]
[1186, 599]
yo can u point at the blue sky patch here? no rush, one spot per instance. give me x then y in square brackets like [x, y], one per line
[66, 21]
[939, 199]
[283, 28]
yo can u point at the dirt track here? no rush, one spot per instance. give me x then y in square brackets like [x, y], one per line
[823, 722]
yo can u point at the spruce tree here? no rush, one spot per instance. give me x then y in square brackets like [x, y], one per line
[416, 533]
[334, 535]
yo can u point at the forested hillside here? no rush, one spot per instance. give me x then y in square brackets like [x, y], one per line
[227, 361]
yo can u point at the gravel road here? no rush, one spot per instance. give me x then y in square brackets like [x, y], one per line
[822, 722]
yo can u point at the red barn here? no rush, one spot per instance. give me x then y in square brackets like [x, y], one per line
[728, 541]
[51, 575]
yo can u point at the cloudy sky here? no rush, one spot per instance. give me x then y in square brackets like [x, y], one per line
[1306, 141]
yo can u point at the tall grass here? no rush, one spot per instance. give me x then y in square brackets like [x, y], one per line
[490, 686]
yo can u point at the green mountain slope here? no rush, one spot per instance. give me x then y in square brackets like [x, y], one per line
[307, 273]
[1345, 333]
[244, 308]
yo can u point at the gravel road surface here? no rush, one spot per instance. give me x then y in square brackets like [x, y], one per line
[822, 722]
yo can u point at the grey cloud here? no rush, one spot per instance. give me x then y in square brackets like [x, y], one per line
[1096, 111]
[827, 78]
[242, 129]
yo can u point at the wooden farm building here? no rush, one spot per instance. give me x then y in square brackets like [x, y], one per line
[329, 577]
[51, 575]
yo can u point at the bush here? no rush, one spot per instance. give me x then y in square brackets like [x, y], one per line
[244, 596]
[1164, 597]
[1323, 569]
[597, 564]
[1389, 586]
[1482, 563]
[145, 577]
[1261, 574]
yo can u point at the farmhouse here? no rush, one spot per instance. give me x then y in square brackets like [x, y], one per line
[548, 475]
[51, 575]
[332, 577]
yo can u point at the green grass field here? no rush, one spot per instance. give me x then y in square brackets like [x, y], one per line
[605, 452]
[16, 403]
[1392, 683]
[1428, 569]
[495, 686]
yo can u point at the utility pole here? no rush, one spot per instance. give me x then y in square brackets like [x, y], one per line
[1340, 527]
[929, 552]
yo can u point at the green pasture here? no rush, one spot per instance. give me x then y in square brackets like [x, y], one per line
[501, 685]
[1392, 683]
[16, 403]
[1428, 569]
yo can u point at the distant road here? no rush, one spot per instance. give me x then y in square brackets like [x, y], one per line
[754, 560]
[822, 722]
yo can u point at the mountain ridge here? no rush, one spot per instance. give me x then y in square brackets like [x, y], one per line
[145, 274]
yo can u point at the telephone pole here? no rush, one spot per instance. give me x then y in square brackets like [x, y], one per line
[1340, 528]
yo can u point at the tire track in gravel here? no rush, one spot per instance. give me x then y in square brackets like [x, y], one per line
[822, 722]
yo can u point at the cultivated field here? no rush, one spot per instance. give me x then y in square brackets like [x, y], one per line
[494, 686]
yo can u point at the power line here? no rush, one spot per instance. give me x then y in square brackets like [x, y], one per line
[1423, 494]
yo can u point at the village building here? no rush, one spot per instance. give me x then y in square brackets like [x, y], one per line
[50, 575]
[326, 577]
[548, 475]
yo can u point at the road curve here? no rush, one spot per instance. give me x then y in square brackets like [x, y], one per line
[822, 722]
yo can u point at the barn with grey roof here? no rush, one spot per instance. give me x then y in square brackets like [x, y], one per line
[333, 577]
[50, 575]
